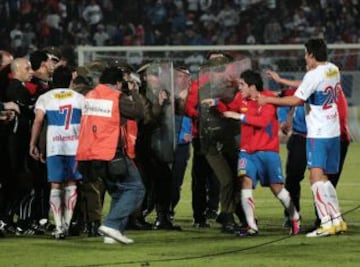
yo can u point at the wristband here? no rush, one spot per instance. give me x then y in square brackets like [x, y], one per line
[242, 117]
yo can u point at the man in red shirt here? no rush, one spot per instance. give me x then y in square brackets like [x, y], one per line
[259, 158]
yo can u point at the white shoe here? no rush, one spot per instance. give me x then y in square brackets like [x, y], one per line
[58, 234]
[109, 240]
[115, 234]
[322, 231]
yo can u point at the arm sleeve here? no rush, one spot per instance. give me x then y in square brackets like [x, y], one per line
[131, 108]
[307, 86]
[40, 104]
[263, 118]
[1, 106]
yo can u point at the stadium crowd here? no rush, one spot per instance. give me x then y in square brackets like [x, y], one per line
[31, 24]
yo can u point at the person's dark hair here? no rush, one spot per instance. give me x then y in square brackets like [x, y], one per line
[217, 64]
[252, 78]
[317, 48]
[111, 75]
[36, 58]
[219, 52]
[62, 77]
[82, 80]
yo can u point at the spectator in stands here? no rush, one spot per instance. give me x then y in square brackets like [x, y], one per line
[297, 24]
[16, 37]
[101, 37]
[92, 14]
[273, 32]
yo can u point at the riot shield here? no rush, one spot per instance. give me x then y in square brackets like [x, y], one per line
[160, 93]
[218, 80]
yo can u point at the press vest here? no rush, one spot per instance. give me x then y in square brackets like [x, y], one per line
[100, 124]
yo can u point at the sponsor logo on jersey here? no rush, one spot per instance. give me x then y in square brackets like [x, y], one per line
[63, 95]
[332, 72]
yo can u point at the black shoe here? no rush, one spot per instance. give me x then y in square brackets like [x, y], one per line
[230, 228]
[11, 229]
[93, 229]
[171, 215]
[139, 224]
[211, 214]
[225, 218]
[74, 229]
[37, 229]
[246, 232]
[201, 225]
[165, 225]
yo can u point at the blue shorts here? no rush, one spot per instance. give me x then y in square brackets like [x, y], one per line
[323, 153]
[263, 166]
[62, 168]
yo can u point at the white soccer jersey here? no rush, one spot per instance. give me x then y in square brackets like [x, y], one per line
[318, 89]
[63, 113]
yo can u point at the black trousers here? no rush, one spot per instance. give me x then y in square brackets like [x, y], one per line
[204, 184]
[295, 167]
[182, 154]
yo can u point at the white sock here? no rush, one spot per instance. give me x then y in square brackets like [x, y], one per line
[248, 204]
[333, 202]
[320, 200]
[70, 202]
[285, 200]
[56, 206]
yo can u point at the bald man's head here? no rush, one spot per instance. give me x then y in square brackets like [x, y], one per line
[21, 69]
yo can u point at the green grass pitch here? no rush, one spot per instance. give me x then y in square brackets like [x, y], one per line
[192, 247]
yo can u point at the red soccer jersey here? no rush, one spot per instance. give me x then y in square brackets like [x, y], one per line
[260, 126]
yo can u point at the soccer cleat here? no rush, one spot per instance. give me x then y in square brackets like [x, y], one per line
[341, 227]
[322, 231]
[211, 214]
[58, 234]
[115, 234]
[246, 232]
[2, 228]
[165, 224]
[19, 231]
[295, 227]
